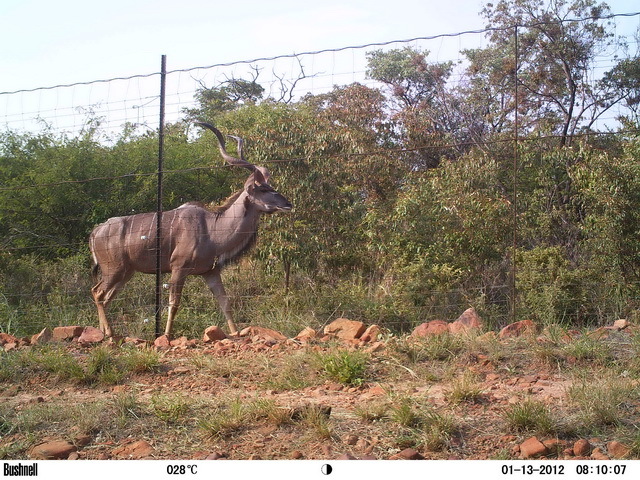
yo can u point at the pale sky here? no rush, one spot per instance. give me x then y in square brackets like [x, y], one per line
[46, 43]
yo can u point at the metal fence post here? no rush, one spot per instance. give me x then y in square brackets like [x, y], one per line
[514, 290]
[163, 79]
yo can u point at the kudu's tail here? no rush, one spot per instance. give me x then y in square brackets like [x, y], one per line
[95, 271]
[95, 266]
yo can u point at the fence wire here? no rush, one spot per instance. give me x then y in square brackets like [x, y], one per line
[113, 106]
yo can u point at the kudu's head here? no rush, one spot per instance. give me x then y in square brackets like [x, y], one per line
[262, 195]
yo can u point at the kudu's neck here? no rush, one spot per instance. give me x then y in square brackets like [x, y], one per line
[241, 211]
[238, 220]
[234, 229]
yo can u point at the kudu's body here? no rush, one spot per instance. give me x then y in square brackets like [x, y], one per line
[195, 240]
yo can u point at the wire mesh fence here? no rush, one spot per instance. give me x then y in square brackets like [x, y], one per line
[45, 277]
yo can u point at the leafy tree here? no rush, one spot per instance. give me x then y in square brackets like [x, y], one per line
[489, 95]
[423, 104]
[449, 234]
[230, 95]
[411, 79]
[625, 78]
[557, 47]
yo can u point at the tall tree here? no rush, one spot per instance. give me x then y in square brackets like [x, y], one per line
[558, 43]
[226, 97]
[423, 106]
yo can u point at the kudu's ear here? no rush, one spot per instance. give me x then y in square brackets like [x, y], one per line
[261, 176]
[250, 184]
[254, 180]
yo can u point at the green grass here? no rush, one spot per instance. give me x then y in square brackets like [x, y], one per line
[296, 373]
[227, 418]
[465, 389]
[587, 348]
[444, 347]
[317, 421]
[103, 365]
[372, 412]
[421, 425]
[602, 400]
[346, 367]
[51, 360]
[405, 413]
[127, 407]
[437, 430]
[529, 415]
[172, 409]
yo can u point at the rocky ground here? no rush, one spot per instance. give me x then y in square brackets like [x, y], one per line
[450, 390]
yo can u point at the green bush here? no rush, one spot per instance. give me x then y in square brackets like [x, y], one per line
[549, 290]
[344, 366]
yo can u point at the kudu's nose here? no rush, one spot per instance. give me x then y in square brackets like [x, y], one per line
[287, 207]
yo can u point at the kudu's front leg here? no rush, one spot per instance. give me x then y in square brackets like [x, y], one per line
[176, 283]
[214, 281]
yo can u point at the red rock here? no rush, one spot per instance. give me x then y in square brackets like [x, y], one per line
[554, 445]
[377, 390]
[6, 338]
[212, 334]
[66, 333]
[532, 448]
[43, 337]
[82, 440]
[351, 439]
[407, 454]
[618, 450]
[469, 320]
[345, 329]
[162, 343]
[370, 334]
[216, 456]
[263, 333]
[517, 329]
[375, 347]
[434, 327]
[90, 335]
[135, 450]
[346, 456]
[456, 328]
[620, 324]
[306, 335]
[598, 454]
[56, 449]
[182, 343]
[581, 448]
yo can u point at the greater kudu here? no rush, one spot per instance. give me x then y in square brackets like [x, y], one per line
[195, 240]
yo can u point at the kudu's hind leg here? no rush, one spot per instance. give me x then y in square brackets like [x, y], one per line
[214, 281]
[103, 292]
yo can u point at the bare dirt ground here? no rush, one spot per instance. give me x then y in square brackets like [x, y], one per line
[555, 394]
